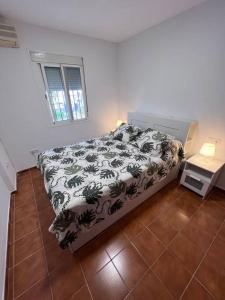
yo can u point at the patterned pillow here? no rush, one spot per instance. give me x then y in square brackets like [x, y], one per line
[126, 133]
[150, 141]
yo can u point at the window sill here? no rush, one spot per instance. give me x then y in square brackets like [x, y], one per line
[68, 123]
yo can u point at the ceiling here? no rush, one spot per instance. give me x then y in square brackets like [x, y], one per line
[112, 20]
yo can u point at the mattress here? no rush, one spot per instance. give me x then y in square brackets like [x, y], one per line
[89, 181]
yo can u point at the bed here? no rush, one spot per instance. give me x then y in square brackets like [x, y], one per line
[94, 183]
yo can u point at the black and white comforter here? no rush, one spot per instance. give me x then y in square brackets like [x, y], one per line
[89, 181]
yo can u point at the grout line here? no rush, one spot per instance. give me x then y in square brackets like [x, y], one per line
[167, 249]
[205, 288]
[204, 256]
[86, 281]
[30, 287]
[22, 237]
[76, 292]
[138, 282]
[46, 262]
[15, 265]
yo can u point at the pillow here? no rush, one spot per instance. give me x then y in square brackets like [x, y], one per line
[126, 133]
[157, 135]
[150, 141]
[171, 148]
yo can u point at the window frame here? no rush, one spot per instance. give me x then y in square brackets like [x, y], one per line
[66, 90]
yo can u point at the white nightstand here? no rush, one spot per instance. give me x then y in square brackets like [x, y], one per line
[200, 173]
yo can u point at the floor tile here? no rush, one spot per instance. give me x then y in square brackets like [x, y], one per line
[10, 255]
[196, 291]
[10, 290]
[149, 247]
[130, 226]
[92, 257]
[11, 236]
[129, 297]
[23, 174]
[66, 280]
[23, 198]
[176, 218]
[25, 186]
[163, 230]
[26, 225]
[222, 232]
[114, 240]
[27, 245]
[218, 196]
[188, 202]
[212, 275]
[174, 189]
[43, 203]
[48, 237]
[40, 291]
[23, 211]
[204, 222]
[151, 209]
[57, 257]
[46, 217]
[39, 187]
[197, 234]
[29, 271]
[150, 287]
[187, 252]
[218, 250]
[82, 294]
[130, 266]
[214, 210]
[128, 276]
[172, 273]
[107, 284]
[35, 173]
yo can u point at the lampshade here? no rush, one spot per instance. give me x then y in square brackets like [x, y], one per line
[208, 149]
[119, 122]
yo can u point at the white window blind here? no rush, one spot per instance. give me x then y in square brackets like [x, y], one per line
[56, 94]
[65, 87]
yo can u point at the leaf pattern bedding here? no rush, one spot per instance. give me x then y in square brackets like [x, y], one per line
[89, 181]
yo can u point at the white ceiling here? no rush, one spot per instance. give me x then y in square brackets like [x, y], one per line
[112, 20]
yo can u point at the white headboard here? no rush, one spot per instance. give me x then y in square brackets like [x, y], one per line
[182, 130]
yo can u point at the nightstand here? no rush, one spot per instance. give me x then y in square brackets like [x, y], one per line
[200, 173]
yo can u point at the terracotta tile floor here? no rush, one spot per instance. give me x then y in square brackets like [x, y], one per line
[170, 247]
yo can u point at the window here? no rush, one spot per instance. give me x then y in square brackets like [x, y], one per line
[64, 83]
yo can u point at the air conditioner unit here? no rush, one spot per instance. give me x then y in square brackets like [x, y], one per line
[8, 36]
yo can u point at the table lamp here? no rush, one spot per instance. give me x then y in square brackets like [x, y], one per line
[208, 150]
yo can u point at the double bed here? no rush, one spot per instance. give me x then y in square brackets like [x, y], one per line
[94, 183]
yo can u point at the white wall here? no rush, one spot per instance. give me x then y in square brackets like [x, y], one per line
[7, 170]
[6, 186]
[4, 213]
[24, 118]
[178, 69]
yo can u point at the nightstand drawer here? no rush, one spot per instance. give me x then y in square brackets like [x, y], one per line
[194, 183]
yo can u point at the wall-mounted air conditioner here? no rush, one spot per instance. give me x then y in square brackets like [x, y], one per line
[8, 36]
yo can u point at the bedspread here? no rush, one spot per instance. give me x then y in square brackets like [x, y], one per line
[89, 181]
